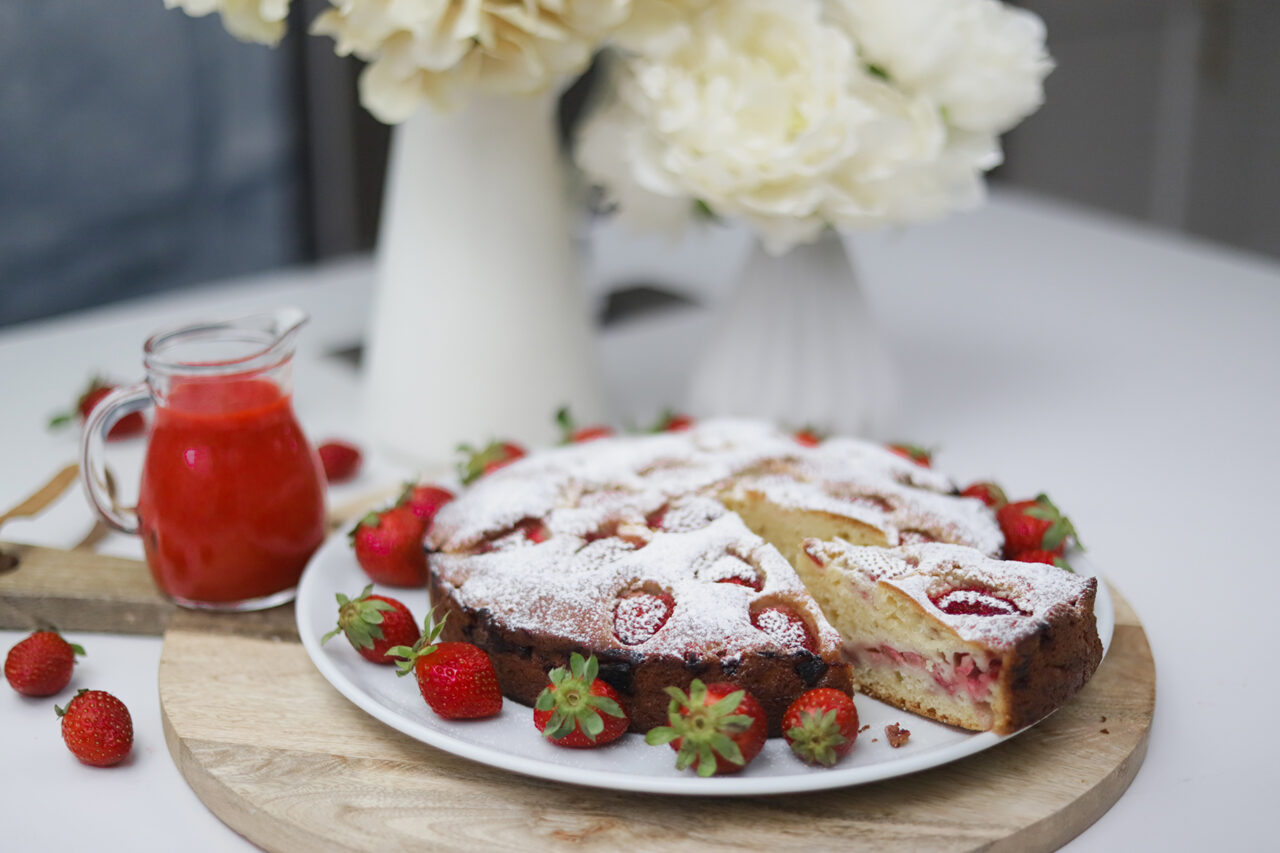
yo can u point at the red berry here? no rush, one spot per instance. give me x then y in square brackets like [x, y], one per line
[1034, 526]
[976, 602]
[425, 502]
[640, 615]
[914, 452]
[389, 547]
[571, 433]
[456, 679]
[1042, 556]
[373, 624]
[714, 728]
[341, 459]
[785, 626]
[578, 710]
[988, 492]
[821, 726]
[534, 530]
[672, 422]
[41, 664]
[127, 427]
[808, 436]
[97, 728]
[477, 463]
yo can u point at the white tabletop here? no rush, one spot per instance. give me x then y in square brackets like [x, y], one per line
[1129, 373]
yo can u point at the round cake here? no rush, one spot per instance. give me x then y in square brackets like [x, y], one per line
[673, 556]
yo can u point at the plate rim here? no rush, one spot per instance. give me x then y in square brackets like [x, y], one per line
[682, 784]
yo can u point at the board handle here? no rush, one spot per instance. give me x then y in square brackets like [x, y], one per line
[94, 476]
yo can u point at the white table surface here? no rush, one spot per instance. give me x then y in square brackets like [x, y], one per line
[1131, 374]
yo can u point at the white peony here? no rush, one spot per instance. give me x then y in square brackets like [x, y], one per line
[774, 112]
[433, 50]
[980, 60]
[262, 21]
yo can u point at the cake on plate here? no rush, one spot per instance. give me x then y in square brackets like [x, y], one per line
[691, 555]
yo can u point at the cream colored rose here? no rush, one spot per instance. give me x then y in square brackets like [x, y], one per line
[980, 60]
[262, 21]
[433, 50]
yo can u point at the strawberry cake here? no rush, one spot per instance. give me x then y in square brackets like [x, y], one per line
[699, 554]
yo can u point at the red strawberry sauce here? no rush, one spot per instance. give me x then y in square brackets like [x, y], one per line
[231, 503]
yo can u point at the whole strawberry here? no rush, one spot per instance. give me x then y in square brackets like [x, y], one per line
[714, 728]
[808, 436]
[41, 664]
[97, 728]
[425, 501]
[388, 546]
[571, 433]
[672, 422]
[1042, 556]
[988, 492]
[341, 460]
[578, 710]
[914, 452]
[494, 455]
[127, 427]
[456, 679]
[821, 726]
[1035, 525]
[373, 624]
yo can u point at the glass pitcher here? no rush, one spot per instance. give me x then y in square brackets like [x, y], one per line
[232, 499]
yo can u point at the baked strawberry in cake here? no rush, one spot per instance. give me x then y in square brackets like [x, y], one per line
[949, 633]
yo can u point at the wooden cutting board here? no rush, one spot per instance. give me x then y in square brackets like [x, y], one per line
[285, 760]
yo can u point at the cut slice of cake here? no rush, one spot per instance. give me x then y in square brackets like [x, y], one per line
[947, 632]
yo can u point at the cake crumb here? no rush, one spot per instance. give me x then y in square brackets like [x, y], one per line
[896, 734]
[864, 728]
[1103, 720]
[1105, 732]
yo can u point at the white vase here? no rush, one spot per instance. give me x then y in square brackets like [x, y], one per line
[796, 343]
[479, 328]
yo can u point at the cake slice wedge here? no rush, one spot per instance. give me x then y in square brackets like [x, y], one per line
[949, 633]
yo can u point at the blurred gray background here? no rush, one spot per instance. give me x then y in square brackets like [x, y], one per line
[142, 150]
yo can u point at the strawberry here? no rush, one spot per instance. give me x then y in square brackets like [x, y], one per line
[578, 710]
[97, 728]
[389, 548]
[341, 459]
[714, 728]
[425, 502]
[127, 427]
[821, 726]
[809, 436]
[1035, 525]
[1042, 556]
[41, 664]
[785, 626]
[639, 615]
[494, 455]
[456, 679]
[373, 624]
[672, 422]
[975, 602]
[988, 492]
[570, 433]
[914, 452]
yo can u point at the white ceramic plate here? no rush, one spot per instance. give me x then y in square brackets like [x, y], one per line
[509, 740]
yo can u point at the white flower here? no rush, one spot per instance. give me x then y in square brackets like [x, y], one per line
[432, 50]
[261, 21]
[774, 112]
[982, 61]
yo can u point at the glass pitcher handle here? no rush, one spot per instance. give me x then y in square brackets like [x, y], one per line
[93, 474]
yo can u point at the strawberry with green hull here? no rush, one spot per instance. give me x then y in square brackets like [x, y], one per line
[672, 422]
[373, 624]
[809, 436]
[914, 452]
[821, 726]
[425, 501]
[714, 728]
[41, 664]
[129, 426]
[1035, 525]
[388, 546]
[494, 455]
[577, 709]
[1042, 556]
[571, 433]
[988, 492]
[456, 679]
[97, 728]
